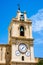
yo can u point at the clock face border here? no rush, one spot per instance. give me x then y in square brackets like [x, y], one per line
[17, 53]
[21, 51]
[28, 53]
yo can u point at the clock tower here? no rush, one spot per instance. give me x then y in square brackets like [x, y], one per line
[21, 40]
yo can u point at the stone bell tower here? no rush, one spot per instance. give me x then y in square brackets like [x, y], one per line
[21, 40]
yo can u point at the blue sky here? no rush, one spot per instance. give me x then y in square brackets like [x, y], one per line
[34, 9]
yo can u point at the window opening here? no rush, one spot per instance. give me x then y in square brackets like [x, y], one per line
[22, 58]
[21, 31]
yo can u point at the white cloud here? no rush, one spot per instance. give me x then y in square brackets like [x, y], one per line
[38, 41]
[37, 25]
[37, 21]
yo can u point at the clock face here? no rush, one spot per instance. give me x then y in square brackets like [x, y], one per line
[22, 48]
[28, 53]
[17, 53]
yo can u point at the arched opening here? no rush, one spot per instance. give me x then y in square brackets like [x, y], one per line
[22, 17]
[21, 31]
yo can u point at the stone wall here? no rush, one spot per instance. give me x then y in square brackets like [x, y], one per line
[24, 64]
[8, 55]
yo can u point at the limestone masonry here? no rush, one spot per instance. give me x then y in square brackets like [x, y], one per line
[19, 50]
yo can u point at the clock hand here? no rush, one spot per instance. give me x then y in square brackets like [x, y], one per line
[22, 47]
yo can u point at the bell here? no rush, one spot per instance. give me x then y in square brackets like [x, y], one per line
[21, 29]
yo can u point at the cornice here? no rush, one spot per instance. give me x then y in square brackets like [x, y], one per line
[22, 38]
[24, 62]
[5, 45]
[27, 22]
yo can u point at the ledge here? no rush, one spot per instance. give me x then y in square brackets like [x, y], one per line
[22, 38]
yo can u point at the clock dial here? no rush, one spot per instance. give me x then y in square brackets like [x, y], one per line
[22, 48]
[17, 53]
[28, 53]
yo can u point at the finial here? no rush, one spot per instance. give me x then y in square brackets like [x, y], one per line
[18, 6]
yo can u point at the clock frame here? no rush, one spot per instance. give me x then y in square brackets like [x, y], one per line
[22, 48]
